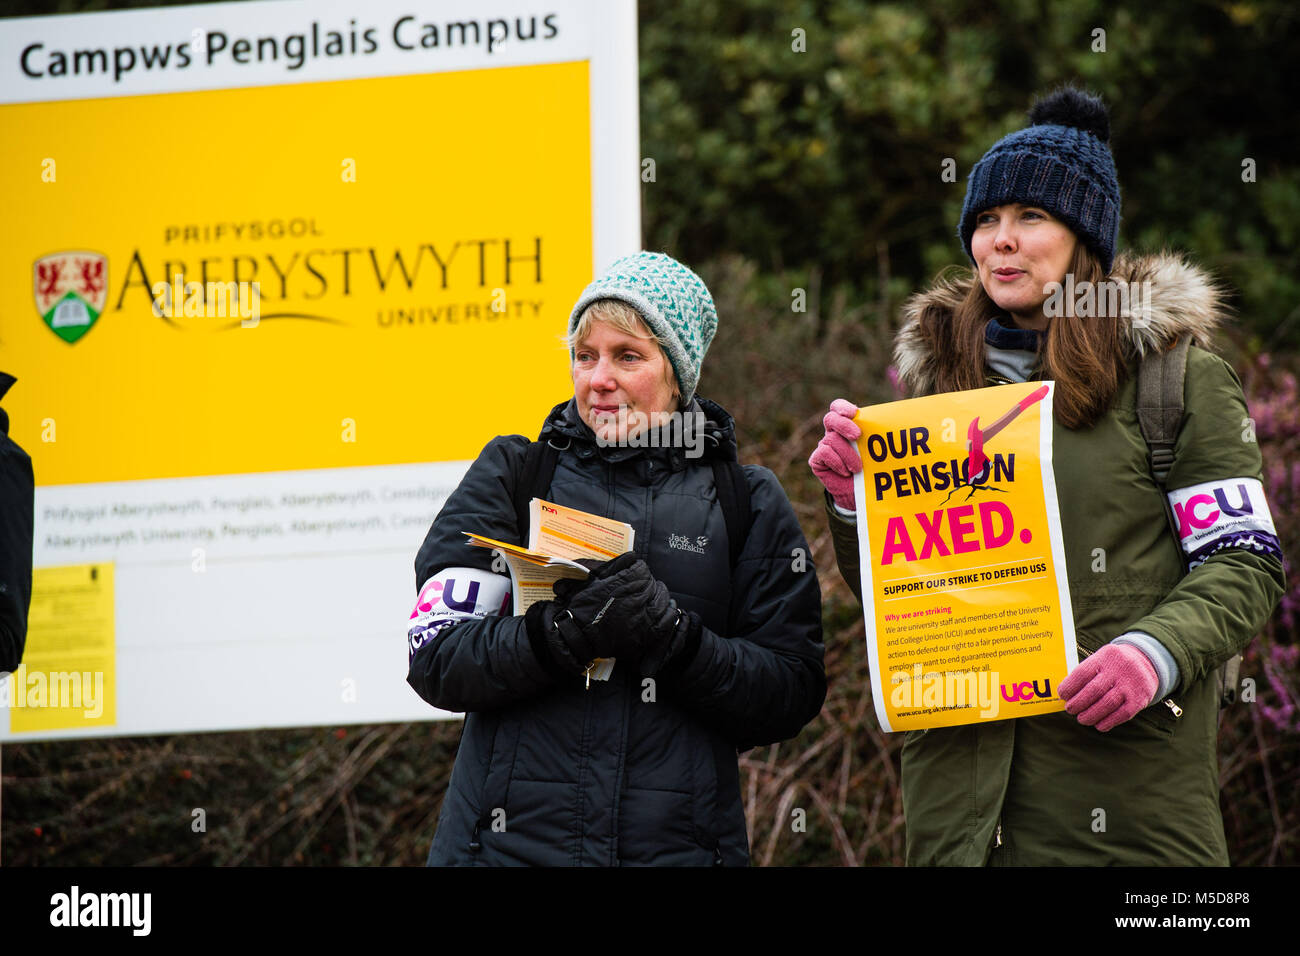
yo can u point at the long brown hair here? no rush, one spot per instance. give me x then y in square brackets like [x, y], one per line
[1085, 355]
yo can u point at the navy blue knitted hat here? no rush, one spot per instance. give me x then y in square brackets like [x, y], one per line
[1060, 162]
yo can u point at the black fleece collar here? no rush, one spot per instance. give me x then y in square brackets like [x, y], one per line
[718, 441]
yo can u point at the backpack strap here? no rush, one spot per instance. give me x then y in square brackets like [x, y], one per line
[534, 480]
[733, 497]
[1160, 413]
[1160, 404]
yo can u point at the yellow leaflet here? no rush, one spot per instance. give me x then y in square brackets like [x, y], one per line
[68, 675]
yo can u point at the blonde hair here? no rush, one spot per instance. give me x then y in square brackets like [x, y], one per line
[627, 320]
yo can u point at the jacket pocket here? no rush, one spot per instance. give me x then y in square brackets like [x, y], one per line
[674, 817]
[494, 772]
[716, 803]
[912, 736]
[1164, 715]
[657, 828]
[502, 748]
[492, 730]
[1161, 716]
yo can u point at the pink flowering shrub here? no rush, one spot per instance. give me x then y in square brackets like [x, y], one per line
[1259, 737]
[1274, 402]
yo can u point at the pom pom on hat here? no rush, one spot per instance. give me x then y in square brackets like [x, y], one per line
[1070, 107]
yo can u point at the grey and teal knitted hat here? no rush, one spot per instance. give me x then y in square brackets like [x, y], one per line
[1061, 163]
[672, 300]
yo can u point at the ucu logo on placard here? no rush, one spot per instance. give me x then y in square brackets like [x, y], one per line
[444, 591]
[1192, 515]
[1026, 691]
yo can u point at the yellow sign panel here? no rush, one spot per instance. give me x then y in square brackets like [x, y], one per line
[411, 285]
[67, 678]
[967, 610]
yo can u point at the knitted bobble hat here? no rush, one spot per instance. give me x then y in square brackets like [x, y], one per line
[1062, 163]
[672, 300]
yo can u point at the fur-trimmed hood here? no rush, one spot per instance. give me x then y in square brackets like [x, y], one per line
[1183, 299]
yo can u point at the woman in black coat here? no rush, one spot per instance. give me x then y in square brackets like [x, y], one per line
[714, 619]
[17, 494]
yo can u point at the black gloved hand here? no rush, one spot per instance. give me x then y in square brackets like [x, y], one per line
[648, 623]
[652, 631]
[566, 588]
[673, 648]
[557, 641]
[616, 607]
[588, 614]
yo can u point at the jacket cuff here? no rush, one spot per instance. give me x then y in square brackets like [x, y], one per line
[837, 512]
[1165, 666]
[692, 635]
[711, 657]
[536, 622]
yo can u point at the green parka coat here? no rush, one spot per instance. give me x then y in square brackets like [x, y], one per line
[1048, 790]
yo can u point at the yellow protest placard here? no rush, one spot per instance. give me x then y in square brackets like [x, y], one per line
[963, 571]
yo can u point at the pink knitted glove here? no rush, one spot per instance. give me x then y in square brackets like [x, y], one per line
[836, 458]
[1110, 687]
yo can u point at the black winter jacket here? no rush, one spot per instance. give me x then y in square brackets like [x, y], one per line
[550, 773]
[17, 491]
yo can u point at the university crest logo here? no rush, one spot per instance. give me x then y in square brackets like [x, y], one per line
[71, 289]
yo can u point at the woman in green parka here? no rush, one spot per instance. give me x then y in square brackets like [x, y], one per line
[1128, 774]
